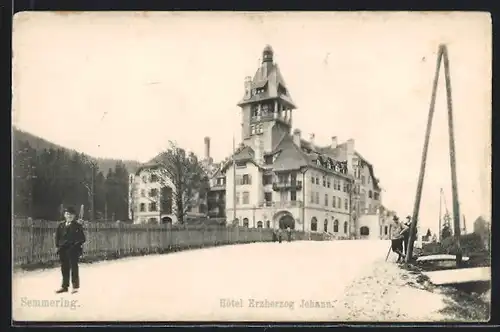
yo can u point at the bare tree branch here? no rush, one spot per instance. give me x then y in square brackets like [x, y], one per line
[184, 173]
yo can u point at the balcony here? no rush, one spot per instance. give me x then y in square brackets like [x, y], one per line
[284, 204]
[218, 187]
[287, 185]
[270, 116]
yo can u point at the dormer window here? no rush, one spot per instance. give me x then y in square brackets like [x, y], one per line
[282, 90]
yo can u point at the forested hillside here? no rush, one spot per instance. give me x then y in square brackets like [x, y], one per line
[40, 144]
[47, 177]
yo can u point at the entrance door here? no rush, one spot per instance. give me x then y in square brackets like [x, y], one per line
[166, 220]
[287, 221]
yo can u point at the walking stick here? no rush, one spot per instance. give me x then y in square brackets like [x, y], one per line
[388, 253]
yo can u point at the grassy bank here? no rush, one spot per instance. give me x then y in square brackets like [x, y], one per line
[459, 305]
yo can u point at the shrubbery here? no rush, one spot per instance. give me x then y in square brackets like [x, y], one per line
[470, 244]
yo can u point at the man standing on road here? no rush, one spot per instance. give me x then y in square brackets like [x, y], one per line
[406, 234]
[397, 238]
[289, 234]
[69, 240]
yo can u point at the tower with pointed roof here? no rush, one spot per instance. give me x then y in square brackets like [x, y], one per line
[266, 106]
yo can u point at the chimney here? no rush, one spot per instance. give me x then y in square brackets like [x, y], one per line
[296, 137]
[350, 146]
[350, 156]
[311, 139]
[334, 142]
[248, 87]
[207, 148]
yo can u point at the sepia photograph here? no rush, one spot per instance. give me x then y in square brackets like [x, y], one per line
[251, 166]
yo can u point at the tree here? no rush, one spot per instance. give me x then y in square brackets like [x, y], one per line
[132, 205]
[429, 234]
[186, 176]
[24, 177]
[446, 232]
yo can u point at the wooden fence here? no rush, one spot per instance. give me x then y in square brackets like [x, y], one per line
[34, 240]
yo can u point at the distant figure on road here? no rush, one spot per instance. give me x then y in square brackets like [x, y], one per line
[69, 240]
[280, 235]
[289, 234]
[397, 238]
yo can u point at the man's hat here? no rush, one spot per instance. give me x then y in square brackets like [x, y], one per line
[408, 217]
[70, 209]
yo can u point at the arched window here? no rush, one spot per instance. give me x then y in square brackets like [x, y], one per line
[268, 224]
[370, 194]
[364, 231]
[346, 225]
[314, 224]
[326, 225]
[336, 226]
[245, 222]
[259, 224]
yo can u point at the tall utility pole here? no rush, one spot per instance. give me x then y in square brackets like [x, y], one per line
[456, 204]
[440, 215]
[442, 54]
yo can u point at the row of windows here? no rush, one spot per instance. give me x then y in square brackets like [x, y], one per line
[150, 220]
[336, 201]
[260, 224]
[337, 183]
[152, 207]
[314, 225]
[152, 178]
[245, 198]
[152, 193]
[243, 179]
[257, 129]
[166, 193]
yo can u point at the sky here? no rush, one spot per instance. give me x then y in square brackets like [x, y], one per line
[121, 85]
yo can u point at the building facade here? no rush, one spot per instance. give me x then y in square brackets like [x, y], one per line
[152, 195]
[276, 178]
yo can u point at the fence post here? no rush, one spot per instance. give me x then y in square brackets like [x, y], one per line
[119, 238]
[148, 226]
[203, 235]
[31, 229]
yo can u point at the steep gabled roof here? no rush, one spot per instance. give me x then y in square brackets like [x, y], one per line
[292, 157]
[370, 169]
[269, 77]
[245, 153]
[289, 156]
